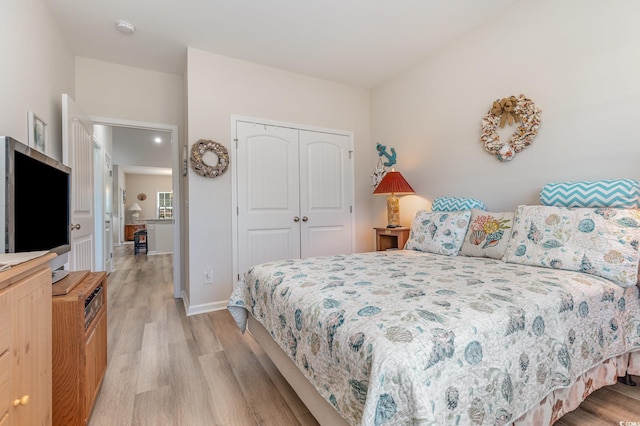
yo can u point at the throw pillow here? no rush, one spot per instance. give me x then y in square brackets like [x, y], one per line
[597, 193]
[438, 232]
[488, 234]
[452, 204]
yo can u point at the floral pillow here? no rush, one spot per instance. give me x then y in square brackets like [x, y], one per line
[597, 241]
[438, 232]
[488, 234]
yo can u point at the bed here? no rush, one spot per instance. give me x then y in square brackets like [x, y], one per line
[429, 336]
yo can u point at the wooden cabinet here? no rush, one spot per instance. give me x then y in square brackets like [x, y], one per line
[129, 230]
[79, 345]
[391, 238]
[25, 343]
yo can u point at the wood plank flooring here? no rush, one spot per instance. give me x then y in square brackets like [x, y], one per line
[165, 368]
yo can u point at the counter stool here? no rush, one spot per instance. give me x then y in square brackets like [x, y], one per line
[140, 241]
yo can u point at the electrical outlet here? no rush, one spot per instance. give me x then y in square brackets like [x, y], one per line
[208, 275]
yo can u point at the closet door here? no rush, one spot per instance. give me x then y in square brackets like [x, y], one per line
[326, 193]
[268, 194]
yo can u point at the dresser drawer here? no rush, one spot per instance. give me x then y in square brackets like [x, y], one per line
[5, 384]
[5, 323]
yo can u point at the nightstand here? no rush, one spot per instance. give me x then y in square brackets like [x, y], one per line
[391, 238]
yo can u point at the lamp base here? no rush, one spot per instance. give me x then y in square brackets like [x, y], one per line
[393, 211]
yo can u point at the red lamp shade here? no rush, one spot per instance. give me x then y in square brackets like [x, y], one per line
[393, 183]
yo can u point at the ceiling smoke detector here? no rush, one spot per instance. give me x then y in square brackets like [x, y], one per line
[125, 27]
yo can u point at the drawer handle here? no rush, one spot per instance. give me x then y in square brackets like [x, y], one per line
[21, 401]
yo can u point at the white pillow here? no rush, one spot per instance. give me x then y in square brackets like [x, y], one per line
[597, 241]
[438, 232]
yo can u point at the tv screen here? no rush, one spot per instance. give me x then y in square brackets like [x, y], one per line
[41, 209]
[36, 190]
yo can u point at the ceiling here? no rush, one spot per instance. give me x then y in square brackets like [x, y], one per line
[357, 42]
[136, 151]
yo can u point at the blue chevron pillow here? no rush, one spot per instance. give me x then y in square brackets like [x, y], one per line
[623, 193]
[453, 204]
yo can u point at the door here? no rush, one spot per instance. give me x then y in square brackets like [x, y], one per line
[326, 194]
[108, 214]
[294, 193]
[31, 348]
[77, 153]
[268, 196]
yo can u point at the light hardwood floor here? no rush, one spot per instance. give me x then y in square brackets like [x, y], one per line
[165, 368]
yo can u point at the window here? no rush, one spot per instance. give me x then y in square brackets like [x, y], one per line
[165, 205]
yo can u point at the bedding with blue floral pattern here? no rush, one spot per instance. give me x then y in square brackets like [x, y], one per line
[408, 337]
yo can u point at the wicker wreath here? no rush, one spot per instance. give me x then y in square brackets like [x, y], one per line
[203, 169]
[509, 111]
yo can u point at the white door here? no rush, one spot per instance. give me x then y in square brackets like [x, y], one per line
[326, 193]
[294, 193]
[108, 214]
[77, 153]
[268, 200]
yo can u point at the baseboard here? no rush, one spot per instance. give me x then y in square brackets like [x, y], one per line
[156, 253]
[203, 308]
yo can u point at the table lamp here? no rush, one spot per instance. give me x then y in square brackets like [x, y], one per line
[135, 209]
[393, 183]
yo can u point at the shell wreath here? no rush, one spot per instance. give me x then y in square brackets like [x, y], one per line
[203, 169]
[509, 111]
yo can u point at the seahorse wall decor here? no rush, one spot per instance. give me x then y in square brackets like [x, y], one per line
[382, 150]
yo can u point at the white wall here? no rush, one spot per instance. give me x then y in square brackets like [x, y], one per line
[220, 86]
[111, 90]
[579, 61]
[37, 67]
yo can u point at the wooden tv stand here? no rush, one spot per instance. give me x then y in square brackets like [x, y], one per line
[79, 345]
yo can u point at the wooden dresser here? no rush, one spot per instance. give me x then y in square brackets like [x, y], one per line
[25, 343]
[79, 345]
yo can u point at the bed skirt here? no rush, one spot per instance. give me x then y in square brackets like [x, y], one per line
[550, 409]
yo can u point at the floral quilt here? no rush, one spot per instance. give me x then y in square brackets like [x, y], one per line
[406, 337]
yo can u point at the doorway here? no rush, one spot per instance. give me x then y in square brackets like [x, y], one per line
[144, 159]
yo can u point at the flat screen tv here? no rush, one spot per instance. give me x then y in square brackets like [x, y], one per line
[36, 190]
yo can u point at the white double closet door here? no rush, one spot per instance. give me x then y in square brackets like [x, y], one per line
[294, 193]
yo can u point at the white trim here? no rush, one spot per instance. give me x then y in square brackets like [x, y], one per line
[176, 174]
[206, 307]
[234, 176]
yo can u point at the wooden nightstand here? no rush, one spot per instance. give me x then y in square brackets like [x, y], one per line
[391, 238]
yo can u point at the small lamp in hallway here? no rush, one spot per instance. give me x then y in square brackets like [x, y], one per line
[135, 210]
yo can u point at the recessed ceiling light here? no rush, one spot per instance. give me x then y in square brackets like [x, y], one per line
[157, 140]
[125, 27]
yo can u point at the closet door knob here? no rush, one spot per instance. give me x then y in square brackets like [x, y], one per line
[304, 218]
[296, 219]
[76, 226]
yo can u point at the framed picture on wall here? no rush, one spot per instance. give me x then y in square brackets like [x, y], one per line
[37, 132]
